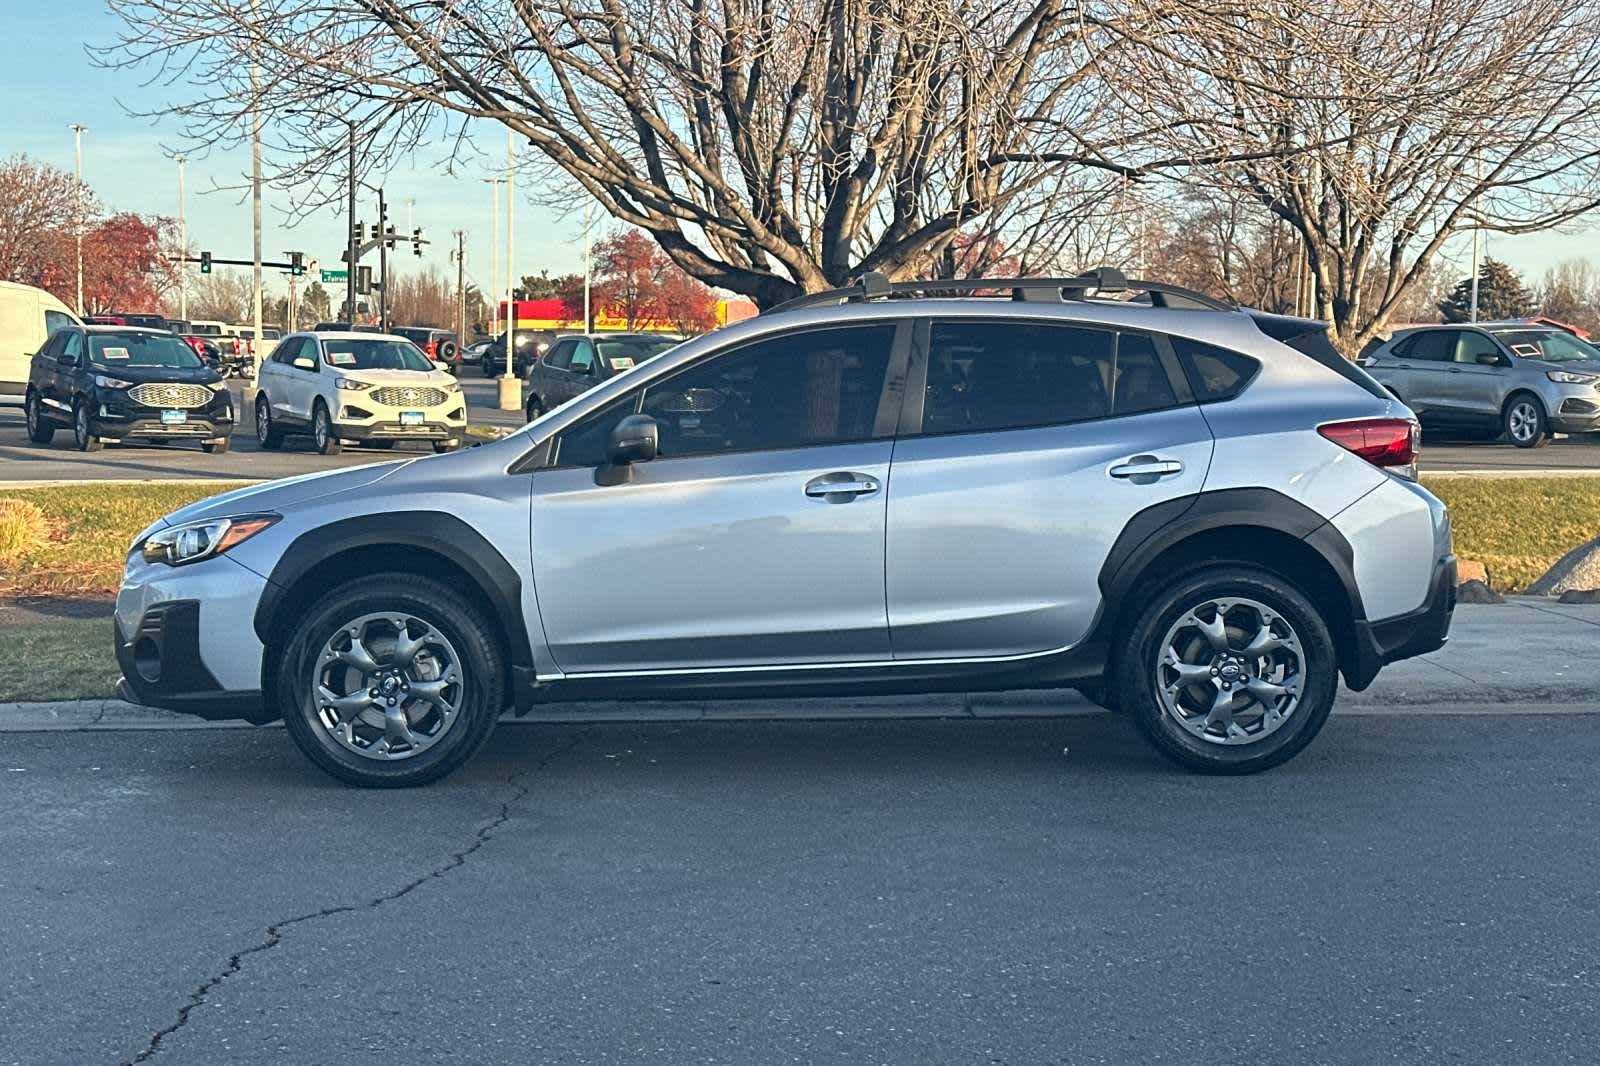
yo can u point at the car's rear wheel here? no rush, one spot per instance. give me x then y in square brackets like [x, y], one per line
[83, 428]
[1229, 670]
[268, 436]
[40, 428]
[535, 408]
[394, 680]
[322, 431]
[1525, 423]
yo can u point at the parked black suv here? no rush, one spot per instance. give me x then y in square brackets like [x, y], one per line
[578, 362]
[120, 383]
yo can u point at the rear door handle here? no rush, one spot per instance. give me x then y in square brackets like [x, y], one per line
[1144, 468]
[841, 486]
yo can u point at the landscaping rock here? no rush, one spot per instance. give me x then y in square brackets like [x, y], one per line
[1471, 570]
[1578, 569]
[1477, 592]
[1581, 596]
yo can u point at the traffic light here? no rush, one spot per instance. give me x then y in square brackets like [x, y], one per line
[364, 280]
[205, 262]
[297, 263]
[388, 237]
[361, 233]
[416, 242]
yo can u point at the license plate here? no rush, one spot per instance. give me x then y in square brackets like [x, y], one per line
[411, 418]
[174, 418]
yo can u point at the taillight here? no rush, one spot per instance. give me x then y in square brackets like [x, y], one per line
[433, 349]
[1386, 442]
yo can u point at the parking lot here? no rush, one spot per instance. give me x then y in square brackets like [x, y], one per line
[23, 461]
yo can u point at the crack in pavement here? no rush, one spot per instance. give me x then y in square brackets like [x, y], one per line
[275, 931]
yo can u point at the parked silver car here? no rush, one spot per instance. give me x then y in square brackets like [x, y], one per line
[1516, 378]
[1198, 514]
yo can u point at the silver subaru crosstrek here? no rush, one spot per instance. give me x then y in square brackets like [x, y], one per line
[1197, 515]
[1523, 379]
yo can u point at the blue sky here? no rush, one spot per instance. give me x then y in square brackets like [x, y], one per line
[49, 83]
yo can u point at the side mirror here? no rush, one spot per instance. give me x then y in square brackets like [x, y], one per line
[635, 439]
[305, 362]
[1492, 359]
[66, 359]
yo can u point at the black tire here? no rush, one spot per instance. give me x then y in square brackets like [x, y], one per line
[40, 429]
[268, 436]
[219, 448]
[446, 445]
[83, 428]
[461, 622]
[1143, 648]
[322, 430]
[534, 409]
[448, 352]
[486, 368]
[1525, 423]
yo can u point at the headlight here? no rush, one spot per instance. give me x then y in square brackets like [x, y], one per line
[452, 386]
[219, 386]
[351, 385]
[194, 541]
[1567, 377]
[111, 383]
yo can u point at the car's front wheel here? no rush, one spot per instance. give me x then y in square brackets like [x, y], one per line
[1229, 670]
[1525, 421]
[40, 429]
[322, 431]
[393, 680]
[83, 428]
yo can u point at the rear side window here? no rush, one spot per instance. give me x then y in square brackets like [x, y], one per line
[1138, 380]
[1434, 345]
[985, 376]
[1214, 373]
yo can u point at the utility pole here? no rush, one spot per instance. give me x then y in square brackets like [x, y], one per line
[510, 390]
[183, 244]
[461, 288]
[383, 263]
[494, 254]
[1472, 310]
[255, 201]
[78, 130]
[350, 234]
[588, 268]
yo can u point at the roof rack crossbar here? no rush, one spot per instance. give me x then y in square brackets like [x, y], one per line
[1103, 280]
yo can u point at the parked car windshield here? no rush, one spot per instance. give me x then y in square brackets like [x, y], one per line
[374, 354]
[113, 350]
[1551, 345]
[622, 354]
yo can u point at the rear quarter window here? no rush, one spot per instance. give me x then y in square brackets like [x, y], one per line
[1214, 373]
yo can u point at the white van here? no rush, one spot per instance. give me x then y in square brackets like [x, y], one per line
[27, 317]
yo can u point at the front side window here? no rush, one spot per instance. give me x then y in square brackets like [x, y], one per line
[374, 354]
[286, 352]
[583, 358]
[985, 376]
[817, 387]
[560, 356]
[116, 350]
[1472, 345]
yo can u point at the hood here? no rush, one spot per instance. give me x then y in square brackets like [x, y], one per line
[282, 494]
[1576, 366]
[198, 375]
[400, 377]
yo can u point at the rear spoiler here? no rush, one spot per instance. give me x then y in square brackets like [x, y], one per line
[1309, 337]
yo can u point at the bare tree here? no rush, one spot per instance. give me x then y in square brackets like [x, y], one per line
[769, 146]
[1382, 132]
[224, 296]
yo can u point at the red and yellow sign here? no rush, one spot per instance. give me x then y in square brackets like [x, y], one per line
[552, 314]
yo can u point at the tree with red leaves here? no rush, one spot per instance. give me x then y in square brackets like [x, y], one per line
[125, 267]
[638, 283]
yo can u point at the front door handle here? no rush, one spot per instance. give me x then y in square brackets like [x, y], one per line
[1143, 469]
[842, 486]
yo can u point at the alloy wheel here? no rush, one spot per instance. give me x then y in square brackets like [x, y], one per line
[31, 413]
[387, 686]
[263, 422]
[1522, 422]
[80, 424]
[1230, 671]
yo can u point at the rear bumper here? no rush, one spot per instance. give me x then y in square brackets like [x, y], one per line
[1408, 635]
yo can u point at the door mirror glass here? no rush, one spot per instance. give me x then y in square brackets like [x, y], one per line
[305, 362]
[67, 359]
[1492, 359]
[635, 439]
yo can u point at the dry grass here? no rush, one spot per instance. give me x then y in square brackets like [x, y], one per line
[1519, 526]
[85, 535]
[23, 528]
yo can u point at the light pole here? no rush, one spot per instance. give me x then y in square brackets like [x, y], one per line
[494, 254]
[510, 390]
[78, 130]
[588, 268]
[183, 244]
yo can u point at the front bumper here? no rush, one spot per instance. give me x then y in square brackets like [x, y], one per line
[360, 418]
[1577, 414]
[1405, 636]
[184, 639]
[119, 418]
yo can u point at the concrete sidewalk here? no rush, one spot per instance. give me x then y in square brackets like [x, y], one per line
[1528, 655]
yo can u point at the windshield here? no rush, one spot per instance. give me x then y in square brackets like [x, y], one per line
[622, 354]
[116, 350]
[1551, 345]
[374, 355]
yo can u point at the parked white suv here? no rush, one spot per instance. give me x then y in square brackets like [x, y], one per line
[371, 388]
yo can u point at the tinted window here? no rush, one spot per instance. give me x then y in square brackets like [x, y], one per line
[1434, 345]
[374, 354]
[559, 357]
[55, 320]
[115, 350]
[1138, 380]
[286, 352]
[1214, 373]
[582, 357]
[73, 346]
[52, 346]
[1000, 375]
[818, 387]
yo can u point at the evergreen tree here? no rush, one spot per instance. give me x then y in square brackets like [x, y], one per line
[1501, 294]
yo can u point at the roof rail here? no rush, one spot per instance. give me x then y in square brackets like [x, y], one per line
[1092, 285]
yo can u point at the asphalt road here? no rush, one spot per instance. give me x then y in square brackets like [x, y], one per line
[23, 461]
[1413, 889]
